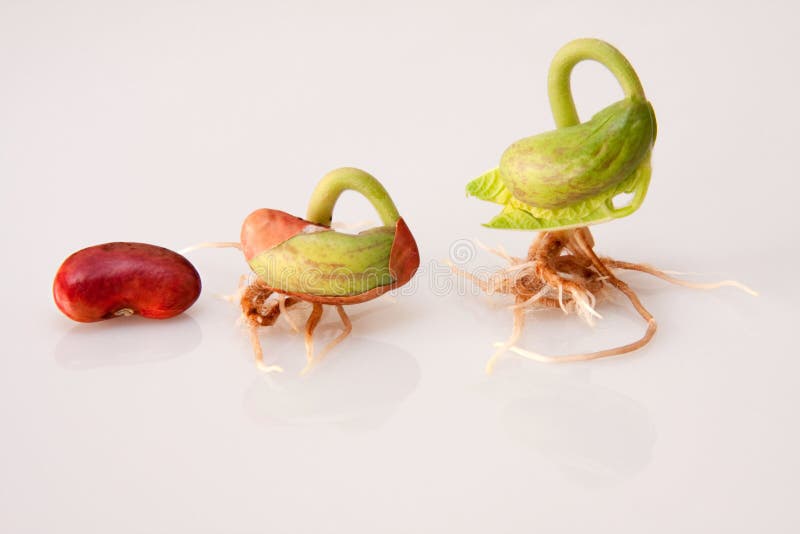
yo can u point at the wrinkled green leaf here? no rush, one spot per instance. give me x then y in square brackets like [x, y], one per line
[489, 187]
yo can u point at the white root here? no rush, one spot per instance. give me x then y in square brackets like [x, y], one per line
[347, 328]
[519, 267]
[516, 333]
[531, 301]
[665, 275]
[523, 277]
[285, 314]
[501, 252]
[211, 244]
[584, 307]
[561, 299]
[483, 284]
[259, 353]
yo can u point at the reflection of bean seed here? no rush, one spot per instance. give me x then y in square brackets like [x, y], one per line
[121, 279]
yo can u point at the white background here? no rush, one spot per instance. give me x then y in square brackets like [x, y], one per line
[168, 122]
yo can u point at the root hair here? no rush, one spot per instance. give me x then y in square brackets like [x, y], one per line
[562, 271]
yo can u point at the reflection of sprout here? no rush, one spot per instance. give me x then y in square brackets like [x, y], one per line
[304, 260]
[608, 436]
[351, 393]
[561, 181]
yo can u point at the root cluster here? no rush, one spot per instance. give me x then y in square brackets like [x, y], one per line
[562, 271]
[261, 306]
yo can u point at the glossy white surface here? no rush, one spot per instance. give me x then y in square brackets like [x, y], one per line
[168, 122]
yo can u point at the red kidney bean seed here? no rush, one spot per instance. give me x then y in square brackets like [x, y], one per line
[121, 279]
